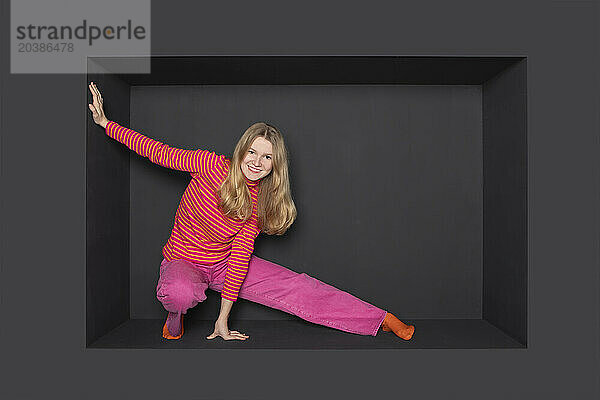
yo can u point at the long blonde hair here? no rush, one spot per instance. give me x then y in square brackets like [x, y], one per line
[276, 209]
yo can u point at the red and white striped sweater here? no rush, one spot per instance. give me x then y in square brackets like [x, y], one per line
[201, 233]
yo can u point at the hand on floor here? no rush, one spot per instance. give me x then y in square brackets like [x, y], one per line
[222, 331]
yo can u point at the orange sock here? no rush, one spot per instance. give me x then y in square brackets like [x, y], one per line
[391, 323]
[167, 335]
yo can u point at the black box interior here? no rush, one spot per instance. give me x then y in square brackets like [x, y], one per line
[409, 175]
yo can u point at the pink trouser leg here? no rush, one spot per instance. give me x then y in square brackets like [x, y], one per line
[181, 285]
[278, 287]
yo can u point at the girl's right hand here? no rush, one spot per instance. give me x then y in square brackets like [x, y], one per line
[96, 107]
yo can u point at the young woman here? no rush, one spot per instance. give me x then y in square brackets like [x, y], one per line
[223, 209]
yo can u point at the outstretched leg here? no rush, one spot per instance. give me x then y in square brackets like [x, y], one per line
[278, 287]
[181, 286]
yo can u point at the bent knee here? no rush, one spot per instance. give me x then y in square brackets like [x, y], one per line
[180, 294]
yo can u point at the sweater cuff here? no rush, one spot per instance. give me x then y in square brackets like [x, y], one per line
[106, 129]
[228, 297]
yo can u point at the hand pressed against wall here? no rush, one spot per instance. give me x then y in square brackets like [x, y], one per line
[97, 106]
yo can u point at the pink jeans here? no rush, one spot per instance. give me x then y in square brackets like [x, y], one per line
[182, 285]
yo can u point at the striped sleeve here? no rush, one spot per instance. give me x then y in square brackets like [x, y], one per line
[237, 266]
[201, 161]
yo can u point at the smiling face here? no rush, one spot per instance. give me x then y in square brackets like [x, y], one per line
[258, 161]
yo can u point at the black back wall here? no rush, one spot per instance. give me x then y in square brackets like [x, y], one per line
[386, 180]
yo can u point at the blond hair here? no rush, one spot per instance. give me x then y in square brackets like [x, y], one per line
[276, 210]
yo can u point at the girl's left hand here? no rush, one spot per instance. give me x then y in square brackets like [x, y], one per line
[222, 331]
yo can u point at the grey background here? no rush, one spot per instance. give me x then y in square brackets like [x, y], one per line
[43, 226]
[386, 179]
